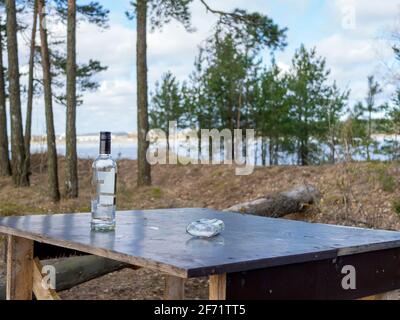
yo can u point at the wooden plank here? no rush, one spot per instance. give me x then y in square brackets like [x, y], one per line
[40, 291]
[101, 252]
[217, 287]
[137, 240]
[392, 295]
[19, 268]
[174, 288]
[374, 273]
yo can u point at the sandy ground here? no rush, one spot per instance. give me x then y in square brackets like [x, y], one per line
[355, 194]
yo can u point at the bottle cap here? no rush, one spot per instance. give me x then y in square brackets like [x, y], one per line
[105, 142]
[105, 135]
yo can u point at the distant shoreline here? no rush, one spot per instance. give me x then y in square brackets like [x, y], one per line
[132, 137]
[88, 138]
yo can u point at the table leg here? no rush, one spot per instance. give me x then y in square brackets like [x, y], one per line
[19, 268]
[217, 284]
[174, 288]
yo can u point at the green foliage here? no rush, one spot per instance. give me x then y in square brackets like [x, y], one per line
[271, 112]
[392, 144]
[396, 206]
[331, 119]
[292, 111]
[85, 73]
[387, 182]
[314, 103]
[166, 103]
[156, 192]
[365, 111]
[93, 12]
[253, 30]
[219, 91]
[11, 209]
[161, 12]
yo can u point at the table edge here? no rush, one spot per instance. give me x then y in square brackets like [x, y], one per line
[101, 252]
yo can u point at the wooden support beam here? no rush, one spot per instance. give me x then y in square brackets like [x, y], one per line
[217, 290]
[392, 295]
[40, 291]
[19, 268]
[174, 288]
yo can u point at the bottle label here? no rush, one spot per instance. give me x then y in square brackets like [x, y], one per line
[106, 182]
[106, 200]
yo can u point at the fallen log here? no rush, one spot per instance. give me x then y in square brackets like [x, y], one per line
[280, 204]
[73, 271]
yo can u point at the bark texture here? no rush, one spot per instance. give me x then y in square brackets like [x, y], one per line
[28, 120]
[5, 167]
[71, 173]
[144, 169]
[19, 174]
[280, 204]
[52, 168]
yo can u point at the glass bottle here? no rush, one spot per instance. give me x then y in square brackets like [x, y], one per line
[104, 184]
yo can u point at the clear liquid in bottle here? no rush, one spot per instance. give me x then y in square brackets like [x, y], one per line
[104, 183]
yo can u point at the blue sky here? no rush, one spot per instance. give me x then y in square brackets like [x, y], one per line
[351, 34]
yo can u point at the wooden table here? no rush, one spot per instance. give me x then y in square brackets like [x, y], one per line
[254, 258]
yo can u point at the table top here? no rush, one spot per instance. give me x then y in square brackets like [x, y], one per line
[157, 239]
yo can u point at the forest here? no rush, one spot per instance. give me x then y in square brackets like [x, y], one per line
[236, 83]
[322, 157]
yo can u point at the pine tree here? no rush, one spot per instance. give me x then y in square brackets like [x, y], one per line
[52, 166]
[28, 120]
[272, 112]
[20, 176]
[71, 171]
[160, 12]
[308, 92]
[166, 104]
[5, 167]
[333, 110]
[366, 112]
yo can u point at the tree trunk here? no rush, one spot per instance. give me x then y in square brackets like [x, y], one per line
[17, 138]
[304, 154]
[71, 174]
[28, 120]
[369, 136]
[5, 168]
[280, 204]
[54, 192]
[144, 169]
[271, 151]
[276, 152]
[263, 151]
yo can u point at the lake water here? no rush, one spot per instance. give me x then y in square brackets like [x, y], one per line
[128, 150]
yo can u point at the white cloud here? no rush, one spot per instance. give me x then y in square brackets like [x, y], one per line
[351, 54]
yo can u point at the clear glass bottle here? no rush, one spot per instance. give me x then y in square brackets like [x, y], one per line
[104, 185]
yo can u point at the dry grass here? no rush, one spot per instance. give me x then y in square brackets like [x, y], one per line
[355, 194]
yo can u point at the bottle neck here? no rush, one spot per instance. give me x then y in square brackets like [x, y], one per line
[105, 147]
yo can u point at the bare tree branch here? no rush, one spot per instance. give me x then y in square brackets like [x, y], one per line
[234, 15]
